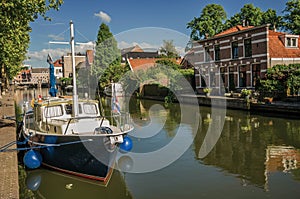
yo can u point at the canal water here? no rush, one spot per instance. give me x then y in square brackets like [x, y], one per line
[186, 151]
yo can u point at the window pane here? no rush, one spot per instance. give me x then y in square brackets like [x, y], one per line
[235, 52]
[217, 53]
[89, 108]
[53, 111]
[248, 47]
[207, 55]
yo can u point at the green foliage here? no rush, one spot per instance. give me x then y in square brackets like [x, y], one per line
[168, 49]
[66, 80]
[213, 20]
[292, 16]
[207, 90]
[245, 92]
[165, 72]
[15, 21]
[209, 23]
[249, 14]
[280, 78]
[270, 17]
[168, 62]
[107, 63]
[187, 73]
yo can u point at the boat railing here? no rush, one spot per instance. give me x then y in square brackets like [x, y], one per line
[123, 121]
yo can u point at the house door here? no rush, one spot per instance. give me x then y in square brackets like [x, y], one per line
[242, 80]
[231, 82]
[242, 77]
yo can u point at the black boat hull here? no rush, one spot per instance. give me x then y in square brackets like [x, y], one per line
[91, 157]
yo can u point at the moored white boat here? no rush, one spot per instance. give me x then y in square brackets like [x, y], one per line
[84, 145]
[71, 134]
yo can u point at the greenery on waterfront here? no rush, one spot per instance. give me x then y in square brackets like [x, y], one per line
[281, 78]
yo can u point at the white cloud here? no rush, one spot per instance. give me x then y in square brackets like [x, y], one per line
[39, 58]
[56, 37]
[103, 16]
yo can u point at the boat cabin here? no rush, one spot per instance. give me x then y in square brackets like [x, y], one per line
[56, 116]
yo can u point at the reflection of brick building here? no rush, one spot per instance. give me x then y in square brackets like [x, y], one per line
[282, 158]
[237, 57]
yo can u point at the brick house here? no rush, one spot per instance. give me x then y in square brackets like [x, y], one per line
[67, 63]
[237, 57]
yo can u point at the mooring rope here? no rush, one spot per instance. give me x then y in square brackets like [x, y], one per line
[41, 145]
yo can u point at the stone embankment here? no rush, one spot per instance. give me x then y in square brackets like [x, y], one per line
[9, 182]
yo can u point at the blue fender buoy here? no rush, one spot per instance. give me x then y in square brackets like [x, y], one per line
[33, 181]
[32, 159]
[126, 146]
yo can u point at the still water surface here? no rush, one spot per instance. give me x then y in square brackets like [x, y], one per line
[254, 157]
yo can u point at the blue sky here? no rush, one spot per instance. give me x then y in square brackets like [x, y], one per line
[146, 23]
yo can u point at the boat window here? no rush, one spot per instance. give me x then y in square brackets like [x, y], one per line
[53, 111]
[90, 108]
[68, 108]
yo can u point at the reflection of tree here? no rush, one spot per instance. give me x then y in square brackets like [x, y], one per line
[241, 148]
[140, 113]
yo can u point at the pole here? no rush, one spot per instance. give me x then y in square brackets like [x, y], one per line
[75, 96]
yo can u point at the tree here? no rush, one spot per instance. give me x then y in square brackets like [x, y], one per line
[281, 78]
[209, 23]
[168, 49]
[249, 15]
[292, 16]
[270, 17]
[107, 63]
[15, 21]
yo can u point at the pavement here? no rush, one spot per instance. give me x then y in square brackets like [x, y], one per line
[9, 182]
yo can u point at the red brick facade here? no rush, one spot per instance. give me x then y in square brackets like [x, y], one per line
[234, 59]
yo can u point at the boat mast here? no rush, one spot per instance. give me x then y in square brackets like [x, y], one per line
[75, 96]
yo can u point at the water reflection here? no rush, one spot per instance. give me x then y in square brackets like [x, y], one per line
[49, 184]
[247, 144]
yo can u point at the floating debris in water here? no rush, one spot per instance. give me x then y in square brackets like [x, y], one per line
[69, 186]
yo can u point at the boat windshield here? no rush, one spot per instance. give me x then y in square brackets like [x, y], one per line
[90, 108]
[68, 109]
[53, 111]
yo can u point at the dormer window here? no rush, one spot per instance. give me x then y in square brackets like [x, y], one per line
[291, 41]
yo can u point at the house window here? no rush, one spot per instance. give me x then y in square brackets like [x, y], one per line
[203, 82]
[255, 74]
[248, 47]
[291, 42]
[235, 50]
[217, 52]
[207, 55]
[212, 79]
